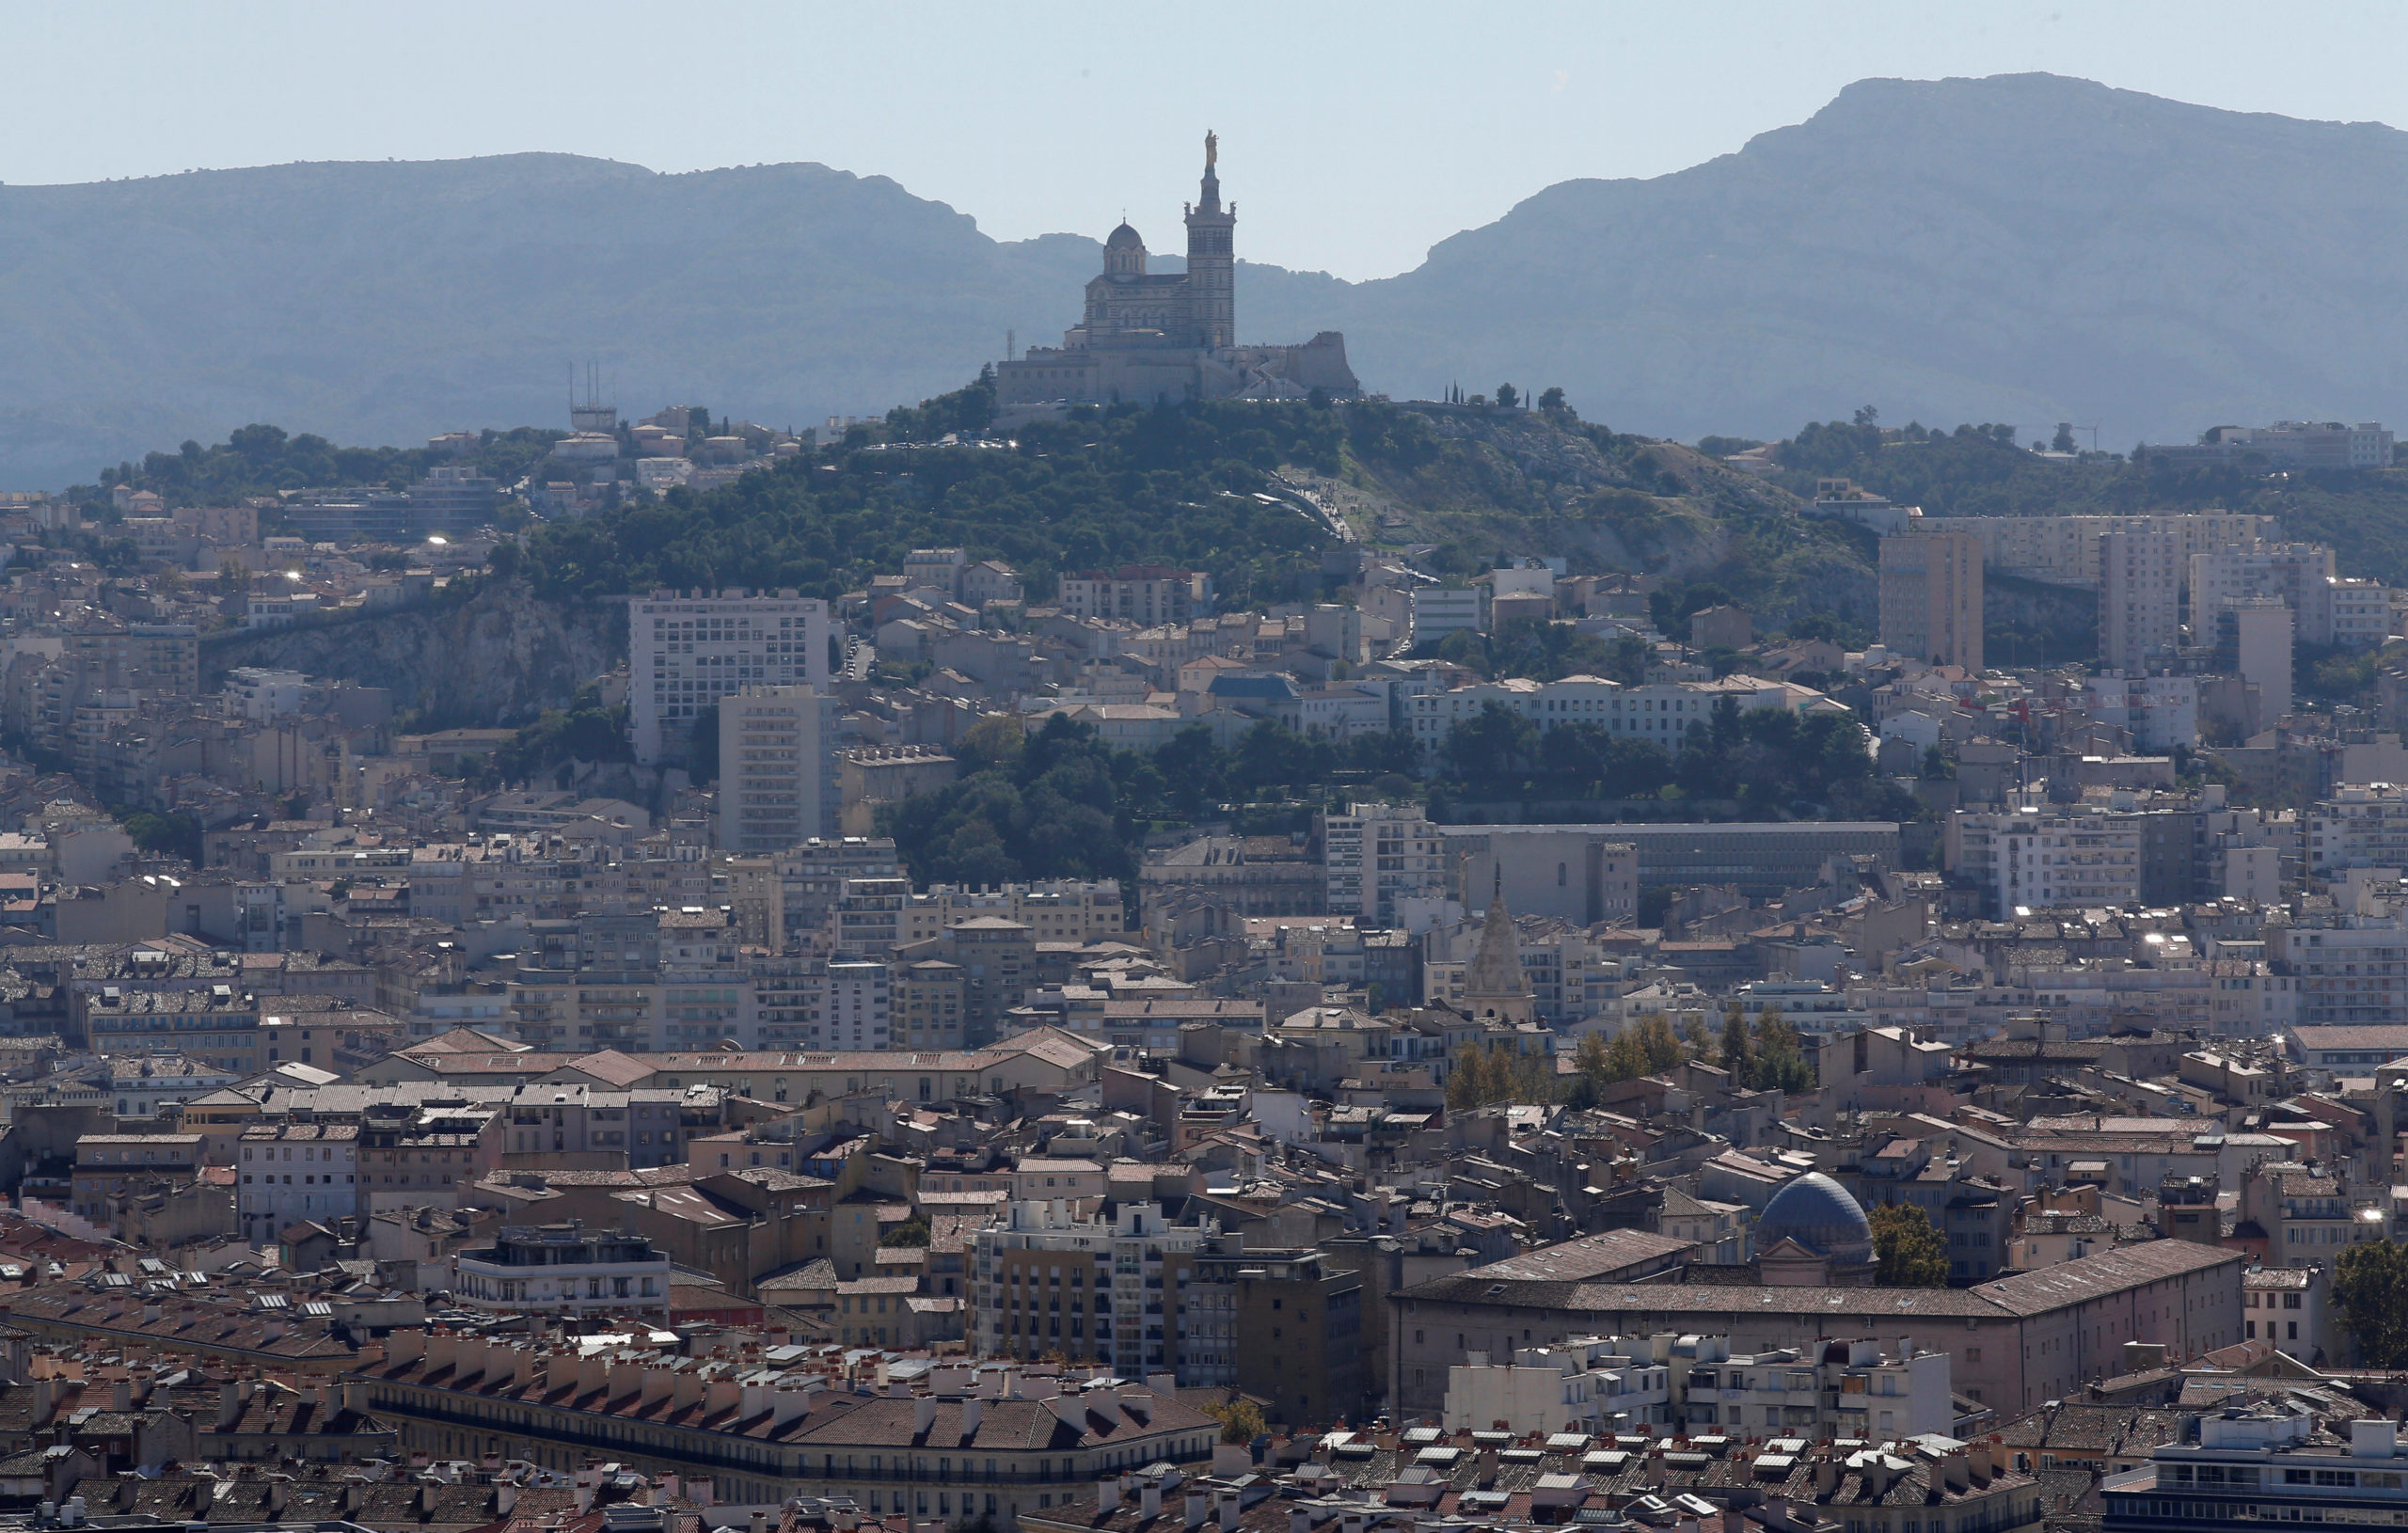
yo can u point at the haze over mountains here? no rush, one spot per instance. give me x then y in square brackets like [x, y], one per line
[2026, 248]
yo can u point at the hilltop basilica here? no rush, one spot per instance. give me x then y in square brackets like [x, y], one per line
[1151, 337]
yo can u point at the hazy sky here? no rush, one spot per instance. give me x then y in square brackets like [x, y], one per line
[1353, 136]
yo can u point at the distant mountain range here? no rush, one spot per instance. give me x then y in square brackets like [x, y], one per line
[2025, 249]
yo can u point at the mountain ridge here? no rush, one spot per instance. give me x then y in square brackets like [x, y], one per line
[2021, 247]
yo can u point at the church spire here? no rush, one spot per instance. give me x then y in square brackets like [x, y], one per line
[1494, 983]
[1211, 280]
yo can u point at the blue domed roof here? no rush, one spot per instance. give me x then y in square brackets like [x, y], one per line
[1819, 1214]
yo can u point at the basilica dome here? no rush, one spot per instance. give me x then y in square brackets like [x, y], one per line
[1819, 1214]
[1124, 253]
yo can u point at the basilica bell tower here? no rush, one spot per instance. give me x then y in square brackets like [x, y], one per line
[1212, 274]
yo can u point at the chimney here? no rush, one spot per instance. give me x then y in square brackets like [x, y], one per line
[924, 1415]
[1108, 1494]
[230, 1405]
[1150, 1498]
[46, 1400]
[122, 1395]
[973, 1411]
[656, 1387]
[1227, 1502]
[1827, 1477]
[505, 1497]
[760, 1521]
[1197, 1504]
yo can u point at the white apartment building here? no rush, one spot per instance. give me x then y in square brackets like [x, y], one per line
[2354, 613]
[1589, 1384]
[1440, 610]
[1812, 1007]
[2289, 444]
[2348, 967]
[140, 1085]
[2035, 858]
[1824, 1389]
[1138, 1294]
[1053, 910]
[262, 694]
[2364, 825]
[938, 567]
[293, 1172]
[2222, 576]
[2064, 550]
[2161, 711]
[2140, 617]
[2326, 609]
[1344, 713]
[1149, 595]
[686, 653]
[1658, 711]
[2246, 999]
[773, 764]
[858, 1009]
[1376, 853]
[564, 1270]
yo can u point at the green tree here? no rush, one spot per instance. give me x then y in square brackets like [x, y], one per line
[2370, 1290]
[1508, 396]
[1240, 1420]
[1908, 1250]
[1626, 1056]
[1494, 747]
[1594, 1060]
[912, 1233]
[1484, 1074]
[1551, 400]
[2063, 441]
[165, 835]
[1735, 1055]
[702, 745]
[1473, 1079]
[1781, 1063]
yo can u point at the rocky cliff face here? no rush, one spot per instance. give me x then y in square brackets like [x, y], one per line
[499, 657]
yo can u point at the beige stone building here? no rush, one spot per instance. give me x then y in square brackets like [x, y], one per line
[1148, 336]
[1931, 598]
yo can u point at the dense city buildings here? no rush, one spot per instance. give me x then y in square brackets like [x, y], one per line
[1351, 1033]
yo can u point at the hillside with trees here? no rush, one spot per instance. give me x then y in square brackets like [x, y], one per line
[1216, 487]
